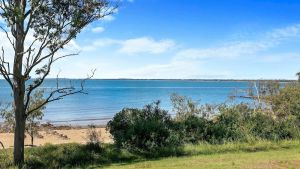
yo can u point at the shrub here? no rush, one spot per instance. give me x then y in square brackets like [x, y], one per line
[287, 101]
[240, 122]
[147, 131]
[288, 128]
[93, 136]
[262, 126]
[269, 127]
[192, 129]
[63, 156]
[192, 120]
[184, 107]
[230, 124]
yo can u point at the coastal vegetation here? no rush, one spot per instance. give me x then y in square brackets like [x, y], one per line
[267, 122]
[276, 117]
[229, 155]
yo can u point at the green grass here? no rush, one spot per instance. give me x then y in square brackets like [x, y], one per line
[282, 158]
[261, 154]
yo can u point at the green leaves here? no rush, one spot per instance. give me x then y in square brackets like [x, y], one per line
[146, 130]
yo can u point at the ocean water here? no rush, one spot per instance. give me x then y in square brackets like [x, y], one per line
[107, 97]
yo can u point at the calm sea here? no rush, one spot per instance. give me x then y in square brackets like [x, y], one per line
[107, 97]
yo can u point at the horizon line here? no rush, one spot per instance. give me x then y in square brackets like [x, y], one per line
[195, 79]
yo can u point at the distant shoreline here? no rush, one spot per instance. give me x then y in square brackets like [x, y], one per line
[204, 80]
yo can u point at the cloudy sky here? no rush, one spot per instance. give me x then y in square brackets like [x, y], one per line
[199, 39]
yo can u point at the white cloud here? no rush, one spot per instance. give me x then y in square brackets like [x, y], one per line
[173, 70]
[175, 63]
[100, 43]
[279, 57]
[229, 50]
[191, 63]
[242, 48]
[98, 29]
[284, 33]
[134, 46]
[187, 62]
[146, 45]
[108, 18]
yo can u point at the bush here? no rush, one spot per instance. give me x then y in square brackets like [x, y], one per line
[287, 101]
[274, 128]
[262, 126]
[93, 136]
[230, 124]
[240, 122]
[147, 131]
[192, 129]
[58, 157]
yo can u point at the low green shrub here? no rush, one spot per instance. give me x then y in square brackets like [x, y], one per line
[64, 156]
[147, 131]
[74, 156]
[287, 101]
[230, 124]
[192, 129]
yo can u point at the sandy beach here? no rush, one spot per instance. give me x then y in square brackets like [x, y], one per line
[57, 136]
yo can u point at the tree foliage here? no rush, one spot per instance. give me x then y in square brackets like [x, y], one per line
[32, 121]
[146, 131]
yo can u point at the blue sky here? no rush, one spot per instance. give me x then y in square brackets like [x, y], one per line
[201, 39]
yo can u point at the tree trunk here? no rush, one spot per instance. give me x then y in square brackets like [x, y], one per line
[20, 117]
[19, 136]
[19, 88]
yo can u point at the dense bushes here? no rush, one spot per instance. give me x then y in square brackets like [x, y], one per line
[230, 124]
[192, 129]
[147, 131]
[151, 129]
[287, 101]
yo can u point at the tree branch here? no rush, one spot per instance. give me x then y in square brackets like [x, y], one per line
[62, 92]
[5, 71]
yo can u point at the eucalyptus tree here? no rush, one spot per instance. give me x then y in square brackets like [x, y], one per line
[37, 30]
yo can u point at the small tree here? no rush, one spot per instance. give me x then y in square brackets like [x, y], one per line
[184, 107]
[32, 121]
[93, 136]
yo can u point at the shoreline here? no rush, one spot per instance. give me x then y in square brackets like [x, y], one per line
[182, 79]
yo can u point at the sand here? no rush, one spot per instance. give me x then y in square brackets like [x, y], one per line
[74, 135]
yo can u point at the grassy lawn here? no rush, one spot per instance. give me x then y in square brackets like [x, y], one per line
[282, 158]
[260, 154]
[229, 156]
